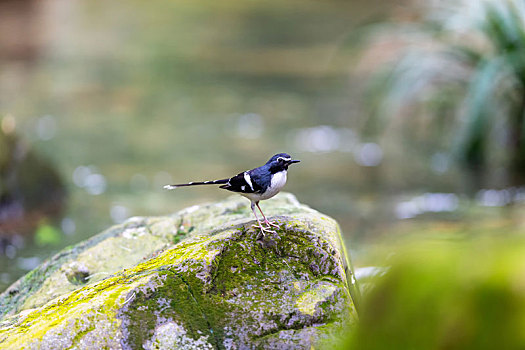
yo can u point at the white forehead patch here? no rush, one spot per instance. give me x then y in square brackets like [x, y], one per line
[285, 159]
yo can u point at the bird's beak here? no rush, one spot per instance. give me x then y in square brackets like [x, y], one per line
[294, 161]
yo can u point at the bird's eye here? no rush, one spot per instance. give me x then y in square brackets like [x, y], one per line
[280, 159]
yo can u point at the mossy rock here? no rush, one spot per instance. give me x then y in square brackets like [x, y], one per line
[198, 279]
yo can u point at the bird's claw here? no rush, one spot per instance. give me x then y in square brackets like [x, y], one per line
[263, 230]
[266, 229]
[269, 224]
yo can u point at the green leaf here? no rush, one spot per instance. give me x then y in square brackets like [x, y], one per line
[478, 109]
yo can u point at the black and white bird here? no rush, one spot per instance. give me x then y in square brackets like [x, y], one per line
[257, 184]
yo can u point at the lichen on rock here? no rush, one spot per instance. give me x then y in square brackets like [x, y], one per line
[197, 279]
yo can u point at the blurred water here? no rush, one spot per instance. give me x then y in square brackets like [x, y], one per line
[124, 97]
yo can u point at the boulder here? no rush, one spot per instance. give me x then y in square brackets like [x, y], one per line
[202, 278]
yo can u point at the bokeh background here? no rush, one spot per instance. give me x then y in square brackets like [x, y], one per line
[407, 115]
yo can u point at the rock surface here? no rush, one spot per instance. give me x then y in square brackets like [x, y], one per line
[199, 279]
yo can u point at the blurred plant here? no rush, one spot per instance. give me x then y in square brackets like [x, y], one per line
[30, 187]
[447, 294]
[47, 234]
[458, 73]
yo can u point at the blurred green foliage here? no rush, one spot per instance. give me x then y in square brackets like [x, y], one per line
[447, 295]
[30, 186]
[47, 234]
[458, 71]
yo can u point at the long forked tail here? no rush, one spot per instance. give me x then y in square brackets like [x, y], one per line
[214, 182]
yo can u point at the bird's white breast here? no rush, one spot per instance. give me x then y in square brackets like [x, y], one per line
[277, 183]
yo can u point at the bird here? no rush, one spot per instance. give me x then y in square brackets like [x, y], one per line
[257, 184]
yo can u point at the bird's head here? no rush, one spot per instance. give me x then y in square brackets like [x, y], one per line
[281, 161]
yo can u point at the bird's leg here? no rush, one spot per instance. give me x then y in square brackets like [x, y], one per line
[263, 229]
[268, 223]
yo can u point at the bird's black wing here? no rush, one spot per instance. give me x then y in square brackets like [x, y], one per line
[261, 178]
[245, 182]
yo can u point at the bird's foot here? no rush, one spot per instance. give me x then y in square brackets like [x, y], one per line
[263, 230]
[266, 229]
[270, 224]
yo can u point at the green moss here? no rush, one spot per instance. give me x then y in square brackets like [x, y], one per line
[246, 279]
[167, 297]
[121, 251]
[309, 300]
[69, 307]
[109, 292]
[82, 328]
[103, 254]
